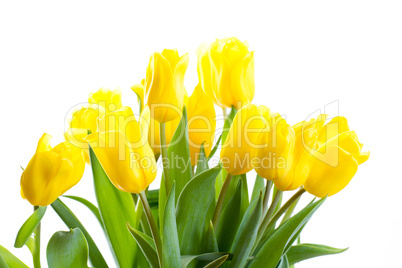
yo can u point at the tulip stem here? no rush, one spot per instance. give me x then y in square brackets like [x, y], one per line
[36, 254]
[268, 223]
[266, 196]
[290, 210]
[152, 225]
[221, 198]
[165, 159]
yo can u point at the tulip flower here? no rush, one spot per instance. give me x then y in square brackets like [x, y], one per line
[51, 171]
[226, 72]
[164, 85]
[276, 144]
[122, 149]
[306, 136]
[335, 162]
[238, 149]
[201, 123]
[100, 103]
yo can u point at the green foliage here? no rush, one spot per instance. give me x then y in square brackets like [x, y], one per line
[7, 259]
[303, 252]
[29, 226]
[69, 248]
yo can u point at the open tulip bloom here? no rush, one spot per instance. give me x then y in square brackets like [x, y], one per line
[202, 215]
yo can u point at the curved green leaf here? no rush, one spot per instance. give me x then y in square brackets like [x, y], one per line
[211, 244]
[218, 262]
[89, 205]
[216, 146]
[228, 122]
[230, 220]
[202, 163]
[259, 185]
[116, 208]
[29, 226]
[179, 156]
[187, 259]
[193, 209]
[146, 245]
[170, 240]
[274, 248]
[10, 259]
[284, 263]
[69, 249]
[72, 222]
[246, 236]
[153, 198]
[303, 252]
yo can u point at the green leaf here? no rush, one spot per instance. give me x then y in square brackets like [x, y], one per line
[213, 151]
[230, 220]
[170, 240]
[69, 249]
[258, 187]
[232, 189]
[29, 226]
[116, 208]
[3, 263]
[193, 209]
[218, 262]
[162, 202]
[89, 205]
[187, 259]
[303, 252]
[72, 222]
[284, 262]
[211, 244]
[146, 245]
[202, 163]
[10, 259]
[246, 236]
[179, 156]
[274, 248]
[153, 198]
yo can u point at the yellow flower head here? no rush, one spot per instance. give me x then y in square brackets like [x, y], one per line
[123, 151]
[109, 100]
[51, 172]
[275, 148]
[226, 72]
[164, 84]
[201, 123]
[238, 149]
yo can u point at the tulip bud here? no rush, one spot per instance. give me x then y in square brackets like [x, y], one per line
[51, 172]
[164, 85]
[201, 123]
[276, 144]
[109, 100]
[238, 148]
[226, 72]
[122, 149]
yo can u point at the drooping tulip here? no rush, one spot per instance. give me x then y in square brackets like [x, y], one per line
[51, 171]
[122, 149]
[164, 85]
[226, 72]
[238, 148]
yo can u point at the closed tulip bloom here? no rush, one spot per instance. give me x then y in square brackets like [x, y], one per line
[226, 72]
[238, 148]
[276, 145]
[201, 123]
[122, 149]
[109, 100]
[51, 171]
[164, 84]
[335, 162]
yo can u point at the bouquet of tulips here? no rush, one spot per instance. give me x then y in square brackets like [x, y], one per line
[203, 214]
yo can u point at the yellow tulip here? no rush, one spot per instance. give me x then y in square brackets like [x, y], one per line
[306, 136]
[201, 123]
[51, 171]
[139, 90]
[164, 84]
[238, 148]
[100, 103]
[109, 100]
[276, 144]
[226, 72]
[122, 149]
[335, 162]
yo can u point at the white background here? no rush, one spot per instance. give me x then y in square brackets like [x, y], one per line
[307, 55]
